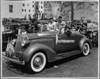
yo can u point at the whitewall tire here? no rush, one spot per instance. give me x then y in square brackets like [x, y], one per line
[86, 49]
[37, 62]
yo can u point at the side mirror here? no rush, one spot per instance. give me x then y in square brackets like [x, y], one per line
[68, 33]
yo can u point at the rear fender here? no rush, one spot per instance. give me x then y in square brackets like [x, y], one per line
[82, 41]
[27, 54]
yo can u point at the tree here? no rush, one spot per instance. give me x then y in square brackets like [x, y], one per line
[70, 8]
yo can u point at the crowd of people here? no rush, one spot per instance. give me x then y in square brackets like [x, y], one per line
[60, 26]
[38, 26]
[35, 26]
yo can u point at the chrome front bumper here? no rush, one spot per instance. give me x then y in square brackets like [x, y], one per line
[13, 60]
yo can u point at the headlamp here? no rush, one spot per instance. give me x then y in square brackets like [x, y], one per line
[24, 42]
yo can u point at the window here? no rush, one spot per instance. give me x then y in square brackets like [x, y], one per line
[22, 10]
[41, 7]
[33, 5]
[23, 4]
[29, 10]
[27, 4]
[11, 8]
[25, 10]
[29, 16]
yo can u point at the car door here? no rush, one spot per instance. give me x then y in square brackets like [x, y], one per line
[66, 43]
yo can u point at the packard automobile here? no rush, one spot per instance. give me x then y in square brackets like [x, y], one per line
[35, 50]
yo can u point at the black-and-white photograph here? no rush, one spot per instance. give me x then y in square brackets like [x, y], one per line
[49, 38]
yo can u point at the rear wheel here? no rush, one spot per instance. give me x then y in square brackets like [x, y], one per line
[37, 62]
[86, 49]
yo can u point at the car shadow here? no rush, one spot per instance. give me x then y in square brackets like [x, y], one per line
[15, 68]
[21, 70]
[62, 61]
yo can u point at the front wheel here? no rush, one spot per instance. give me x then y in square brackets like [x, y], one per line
[37, 62]
[86, 49]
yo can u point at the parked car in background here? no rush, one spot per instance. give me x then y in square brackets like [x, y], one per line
[92, 33]
[90, 30]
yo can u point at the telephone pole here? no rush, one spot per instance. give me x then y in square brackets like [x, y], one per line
[72, 12]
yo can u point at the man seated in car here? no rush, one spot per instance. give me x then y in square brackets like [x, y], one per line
[60, 25]
[51, 25]
[23, 31]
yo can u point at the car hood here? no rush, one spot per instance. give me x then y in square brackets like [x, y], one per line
[37, 35]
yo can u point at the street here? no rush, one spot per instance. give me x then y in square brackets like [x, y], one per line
[75, 66]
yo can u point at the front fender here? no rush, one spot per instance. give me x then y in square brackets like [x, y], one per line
[82, 41]
[27, 54]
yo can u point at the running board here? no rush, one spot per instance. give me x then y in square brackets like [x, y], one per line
[66, 54]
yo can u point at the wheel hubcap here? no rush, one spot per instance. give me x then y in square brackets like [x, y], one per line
[86, 49]
[38, 61]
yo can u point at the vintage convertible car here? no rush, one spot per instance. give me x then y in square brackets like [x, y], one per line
[35, 50]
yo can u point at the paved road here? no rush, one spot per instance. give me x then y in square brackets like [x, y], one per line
[76, 66]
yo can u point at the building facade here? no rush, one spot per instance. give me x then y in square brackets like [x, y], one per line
[28, 9]
[11, 9]
[21, 9]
